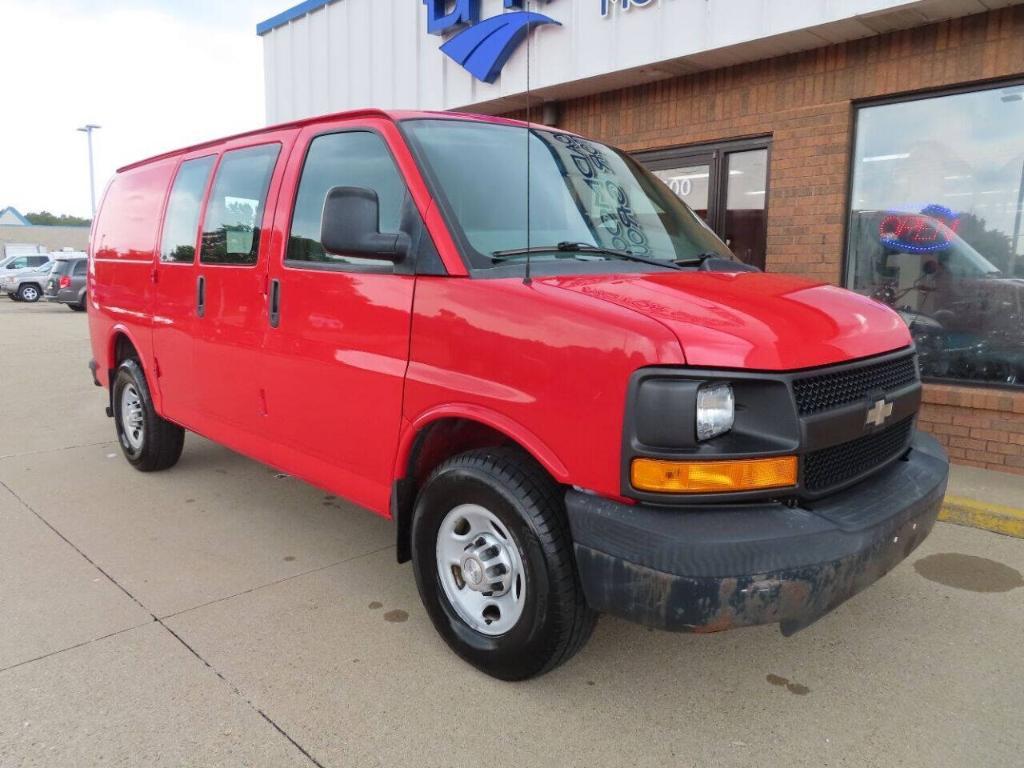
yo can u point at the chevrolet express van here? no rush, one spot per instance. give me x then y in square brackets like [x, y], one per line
[567, 394]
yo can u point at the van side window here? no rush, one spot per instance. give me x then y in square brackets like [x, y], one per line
[234, 214]
[351, 159]
[81, 267]
[181, 224]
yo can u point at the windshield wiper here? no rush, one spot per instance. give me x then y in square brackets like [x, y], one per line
[568, 247]
[699, 259]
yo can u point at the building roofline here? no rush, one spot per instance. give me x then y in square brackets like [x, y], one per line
[53, 226]
[295, 12]
[17, 214]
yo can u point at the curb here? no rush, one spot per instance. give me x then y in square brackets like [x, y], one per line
[1008, 521]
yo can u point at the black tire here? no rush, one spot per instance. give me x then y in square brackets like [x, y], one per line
[29, 293]
[161, 441]
[556, 621]
[76, 307]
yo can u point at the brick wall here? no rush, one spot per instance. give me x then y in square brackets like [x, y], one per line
[982, 428]
[804, 101]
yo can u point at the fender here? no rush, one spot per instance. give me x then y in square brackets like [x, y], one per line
[493, 419]
[145, 354]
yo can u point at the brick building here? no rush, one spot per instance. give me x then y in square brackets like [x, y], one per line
[875, 145]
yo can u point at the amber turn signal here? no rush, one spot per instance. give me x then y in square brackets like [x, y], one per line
[713, 476]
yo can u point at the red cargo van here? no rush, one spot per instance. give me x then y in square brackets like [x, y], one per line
[568, 395]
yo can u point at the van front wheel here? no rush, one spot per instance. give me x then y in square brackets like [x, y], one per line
[149, 442]
[494, 565]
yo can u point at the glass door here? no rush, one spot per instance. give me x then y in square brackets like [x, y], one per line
[726, 184]
[745, 223]
[692, 183]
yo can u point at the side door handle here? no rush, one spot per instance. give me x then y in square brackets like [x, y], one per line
[201, 296]
[275, 303]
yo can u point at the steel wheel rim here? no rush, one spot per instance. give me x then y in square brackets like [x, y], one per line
[480, 569]
[29, 294]
[132, 417]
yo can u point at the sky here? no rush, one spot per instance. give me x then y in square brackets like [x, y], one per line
[155, 74]
[962, 151]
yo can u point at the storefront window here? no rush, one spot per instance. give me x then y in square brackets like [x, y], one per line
[935, 227]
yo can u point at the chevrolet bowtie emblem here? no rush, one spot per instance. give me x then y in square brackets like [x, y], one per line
[879, 412]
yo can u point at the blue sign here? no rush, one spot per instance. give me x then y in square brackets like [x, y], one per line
[607, 5]
[481, 47]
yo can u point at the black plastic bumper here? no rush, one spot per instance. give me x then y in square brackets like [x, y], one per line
[707, 569]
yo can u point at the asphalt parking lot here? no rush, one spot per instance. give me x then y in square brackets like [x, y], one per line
[221, 614]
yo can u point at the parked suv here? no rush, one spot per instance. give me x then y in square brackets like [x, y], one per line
[67, 283]
[569, 402]
[26, 284]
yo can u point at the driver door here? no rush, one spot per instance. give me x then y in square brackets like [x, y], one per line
[337, 332]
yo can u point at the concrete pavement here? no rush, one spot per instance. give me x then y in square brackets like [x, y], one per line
[219, 614]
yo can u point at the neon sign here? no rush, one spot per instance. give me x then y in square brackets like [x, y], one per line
[931, 230]
[482, 47]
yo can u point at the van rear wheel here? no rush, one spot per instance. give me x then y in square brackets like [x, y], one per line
[494, 565]
[149, 442]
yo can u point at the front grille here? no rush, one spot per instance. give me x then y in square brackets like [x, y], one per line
[831, 390]
[829, 467]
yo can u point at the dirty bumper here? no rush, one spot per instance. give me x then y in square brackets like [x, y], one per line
[707, 569]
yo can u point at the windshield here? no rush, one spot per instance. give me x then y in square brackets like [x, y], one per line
[963, 261]
[580, 192]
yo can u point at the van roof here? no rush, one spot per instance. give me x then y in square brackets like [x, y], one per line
[393, 115]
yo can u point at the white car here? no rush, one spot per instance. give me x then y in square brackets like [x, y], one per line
[27, 283]
[22, 261]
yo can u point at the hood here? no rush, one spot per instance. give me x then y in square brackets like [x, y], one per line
[752, 320]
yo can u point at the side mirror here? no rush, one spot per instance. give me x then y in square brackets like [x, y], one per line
[350, 226]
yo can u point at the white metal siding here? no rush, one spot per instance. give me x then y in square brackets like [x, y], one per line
[360, 53]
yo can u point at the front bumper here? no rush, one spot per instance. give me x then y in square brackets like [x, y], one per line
[711, 568]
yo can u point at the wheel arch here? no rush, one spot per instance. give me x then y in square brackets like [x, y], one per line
[122, 343]
[437, 435]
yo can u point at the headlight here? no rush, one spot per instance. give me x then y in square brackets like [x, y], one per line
[716, 410]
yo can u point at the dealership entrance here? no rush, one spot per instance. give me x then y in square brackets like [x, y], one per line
[726, 184]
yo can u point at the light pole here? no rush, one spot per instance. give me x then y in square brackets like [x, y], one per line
[87, 130]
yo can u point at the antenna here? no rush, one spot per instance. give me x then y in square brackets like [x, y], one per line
[527, 280]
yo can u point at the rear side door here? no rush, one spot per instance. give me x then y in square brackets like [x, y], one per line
[230, 291]
[174, 307]
[337, 334]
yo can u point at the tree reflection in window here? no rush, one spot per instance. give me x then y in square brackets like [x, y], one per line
[234, 213]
